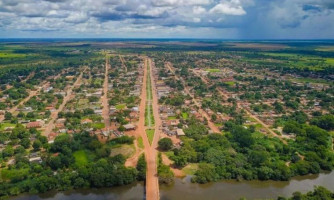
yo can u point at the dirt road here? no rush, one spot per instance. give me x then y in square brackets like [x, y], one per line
[152, 184]
[68, 96]
[211, 125]
[104, 97]
[123, 63]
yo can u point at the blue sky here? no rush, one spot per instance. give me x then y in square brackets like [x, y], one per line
[223, 19]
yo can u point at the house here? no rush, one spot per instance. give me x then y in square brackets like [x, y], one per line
[112, 109]
[37, 159]
[129, 127]
[69, 77]
[37, 124]
[135, 109]
[99, 111]
[174, 122]
[179, 132]
[133, 115]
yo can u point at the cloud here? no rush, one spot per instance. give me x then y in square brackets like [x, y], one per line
[229, 7]
[214, 18]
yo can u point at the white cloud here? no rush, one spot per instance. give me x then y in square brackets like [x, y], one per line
[229, 7]
[198, 10]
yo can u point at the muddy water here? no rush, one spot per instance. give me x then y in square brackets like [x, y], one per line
[229, 190]
[183, 189]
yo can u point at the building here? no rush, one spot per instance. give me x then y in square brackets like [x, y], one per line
[179, 132]
[37, 124]
[129, 127]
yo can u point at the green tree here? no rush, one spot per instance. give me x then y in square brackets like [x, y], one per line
[165, 144]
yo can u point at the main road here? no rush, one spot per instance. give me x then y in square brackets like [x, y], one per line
[104, 97]
[152, 183]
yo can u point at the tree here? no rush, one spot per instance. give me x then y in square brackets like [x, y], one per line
[325, 122]
[37, 145]
[205, 173]
[165, 144]
[25, 142]
[141, 168]
[8, 115]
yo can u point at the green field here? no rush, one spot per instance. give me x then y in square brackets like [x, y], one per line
[150, 135]
[330, 61]
[98, 125]
[3, 126]
[120, 106]
[213, 70]
[171, 118]
[10, 54]
[125, 149]
[81, 157]
[185, 115]
[230, 83]
[140, 143]
[190, 169]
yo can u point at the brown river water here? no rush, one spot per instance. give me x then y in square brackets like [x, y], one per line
[183, 189]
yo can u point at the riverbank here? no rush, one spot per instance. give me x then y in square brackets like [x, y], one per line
[185, 190]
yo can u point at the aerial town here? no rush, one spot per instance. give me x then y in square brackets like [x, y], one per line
[70, 116]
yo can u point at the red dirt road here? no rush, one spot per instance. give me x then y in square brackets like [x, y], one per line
[152, 184]
[104, 98]
[68, 96]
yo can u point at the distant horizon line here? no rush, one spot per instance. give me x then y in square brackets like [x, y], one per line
[153, 38]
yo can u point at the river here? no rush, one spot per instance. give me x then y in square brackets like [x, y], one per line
[185, 190]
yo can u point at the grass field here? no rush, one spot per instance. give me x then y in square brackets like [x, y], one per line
[125, 149]
[98, 125]
[120, 106]
[150, 135]
[3, 126]
[81, 157]
[330, 61]
[10, 54]
[140, 143]
[171, 118]
[190, 169]
[185, 115]
[230, 83]
[213, 70]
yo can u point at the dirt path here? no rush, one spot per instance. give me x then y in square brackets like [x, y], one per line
[123, 63]
[68, 96]
[132, 161]
[104, 97]
[211, 125]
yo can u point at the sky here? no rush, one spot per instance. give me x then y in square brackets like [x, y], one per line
[215, 19]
